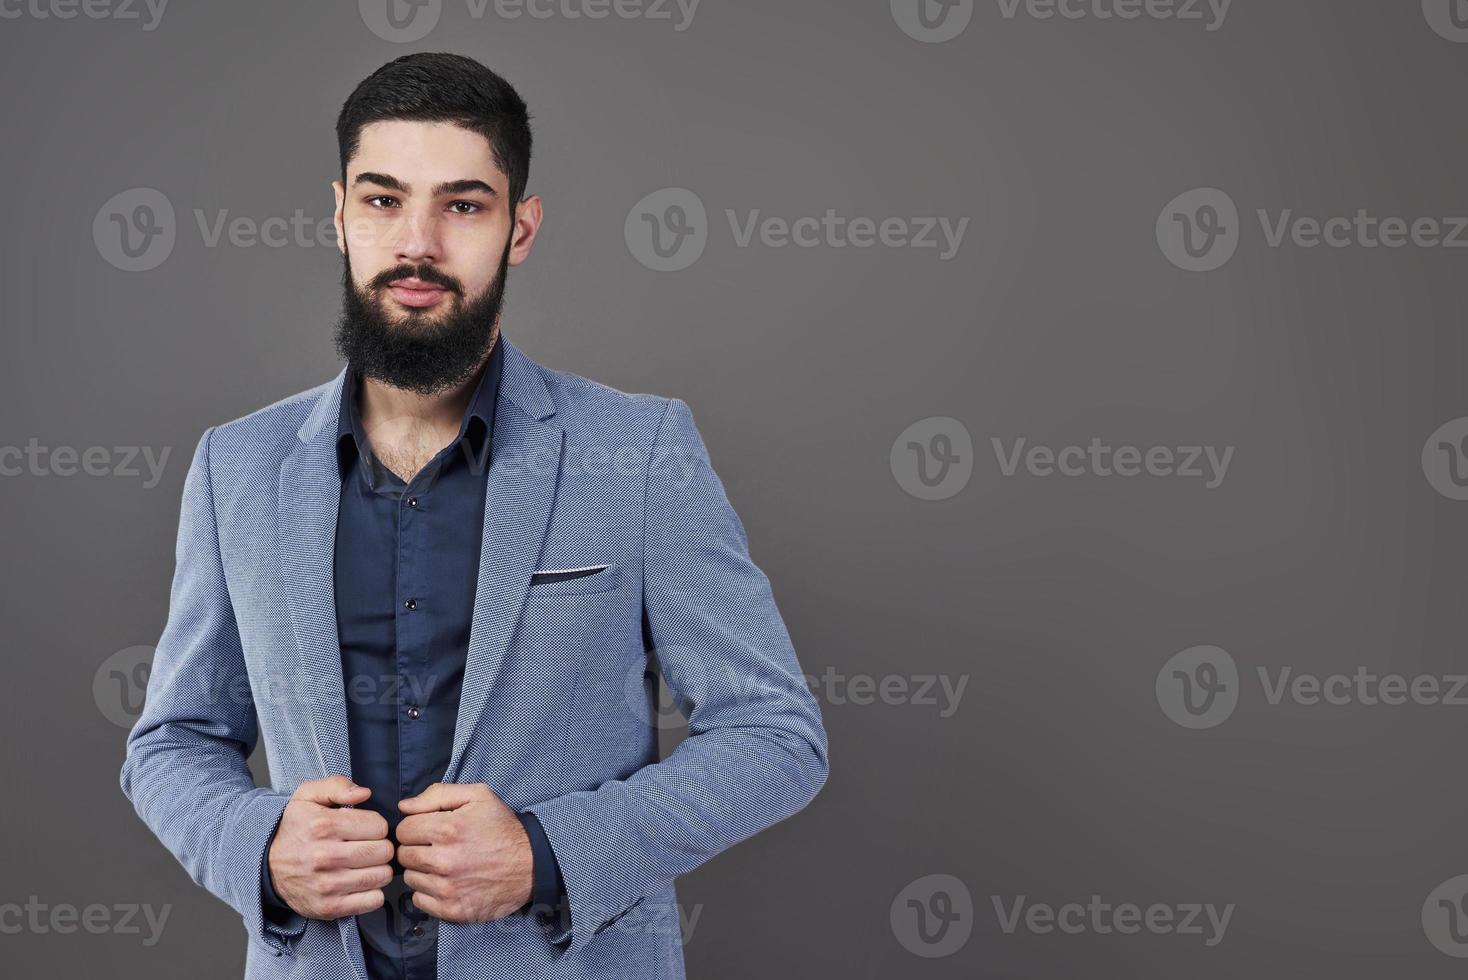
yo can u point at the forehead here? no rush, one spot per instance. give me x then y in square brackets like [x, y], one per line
[428, 152]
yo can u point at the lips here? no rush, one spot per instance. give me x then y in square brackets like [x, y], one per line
[416, 292]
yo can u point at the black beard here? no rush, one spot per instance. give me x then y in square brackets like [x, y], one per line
[411, 351]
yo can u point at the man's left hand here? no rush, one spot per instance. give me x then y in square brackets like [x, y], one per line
[464, 853]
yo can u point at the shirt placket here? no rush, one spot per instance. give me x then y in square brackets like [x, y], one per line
[415, 611]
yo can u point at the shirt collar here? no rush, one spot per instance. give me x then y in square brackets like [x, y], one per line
[477, 426]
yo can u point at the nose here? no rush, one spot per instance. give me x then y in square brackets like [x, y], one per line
[419, 242]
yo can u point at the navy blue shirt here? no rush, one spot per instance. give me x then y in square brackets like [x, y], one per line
[406, 567]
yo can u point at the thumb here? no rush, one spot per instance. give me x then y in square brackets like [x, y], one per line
[332, 790]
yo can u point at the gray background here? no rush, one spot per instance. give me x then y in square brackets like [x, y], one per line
[1059, 776]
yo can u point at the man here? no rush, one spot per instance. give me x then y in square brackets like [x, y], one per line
[440, 586]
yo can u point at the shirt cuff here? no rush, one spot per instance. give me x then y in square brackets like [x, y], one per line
[274, 909]
[272, 900]
[548, 887]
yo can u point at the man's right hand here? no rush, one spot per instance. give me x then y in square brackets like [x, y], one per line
[329, 861]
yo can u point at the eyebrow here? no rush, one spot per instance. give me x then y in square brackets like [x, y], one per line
[439, 190]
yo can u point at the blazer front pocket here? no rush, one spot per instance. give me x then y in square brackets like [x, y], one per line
[570, 581]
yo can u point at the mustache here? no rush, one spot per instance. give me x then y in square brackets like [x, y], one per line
[424, 272]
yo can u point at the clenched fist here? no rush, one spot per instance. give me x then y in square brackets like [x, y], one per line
[327, 860]
[464, 853]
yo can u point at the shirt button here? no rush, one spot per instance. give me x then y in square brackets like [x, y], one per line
[412, 501]
[417, 930]
[413, 712]
[411, 604]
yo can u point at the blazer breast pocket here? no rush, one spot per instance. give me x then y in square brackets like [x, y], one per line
[583, 580]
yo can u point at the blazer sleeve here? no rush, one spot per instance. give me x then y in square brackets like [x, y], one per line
[756, 748]
[185, 772]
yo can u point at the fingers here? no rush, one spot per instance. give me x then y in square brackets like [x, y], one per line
[332, 791]
[359, 903]
[445, 796]
[358, 825]
[352, 854]
[423, 883]
[351, 881]
[325, 823]
[418, 858]
[456, 910]
[322, 824]
[427, 903]
[437, 827]
[436, 907]
[334, 894]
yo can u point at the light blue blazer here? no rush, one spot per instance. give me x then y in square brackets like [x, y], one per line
[557, 712]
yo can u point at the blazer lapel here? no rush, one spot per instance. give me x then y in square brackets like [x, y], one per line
[525, 466]
[309, 492]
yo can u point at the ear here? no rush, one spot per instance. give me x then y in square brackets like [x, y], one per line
[339, 218]
[524, 227]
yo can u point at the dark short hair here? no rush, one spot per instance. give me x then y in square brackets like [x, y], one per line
[441, 87]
